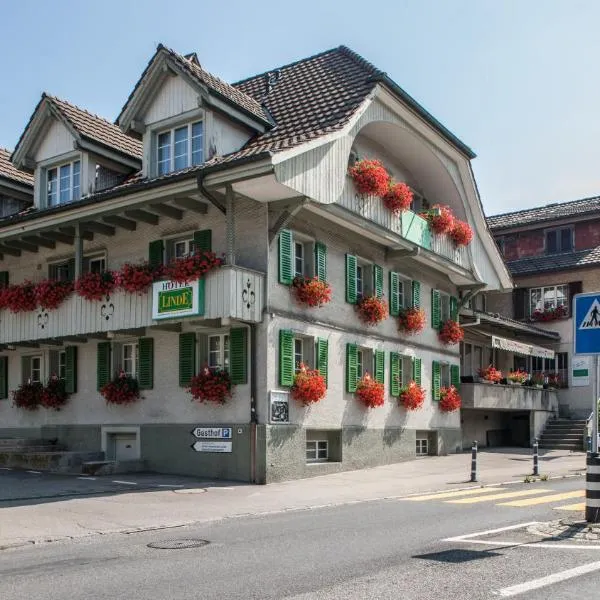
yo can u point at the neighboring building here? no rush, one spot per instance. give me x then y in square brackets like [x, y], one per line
[16, 187]
[257, 171]
[553, 252]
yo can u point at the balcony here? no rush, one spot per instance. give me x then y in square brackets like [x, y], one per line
[484, 396]
[229, 292]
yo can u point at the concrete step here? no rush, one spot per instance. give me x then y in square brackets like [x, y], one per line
[561, 446]
[56, 462]
[549, 437]
[564, 426]
[112, 467]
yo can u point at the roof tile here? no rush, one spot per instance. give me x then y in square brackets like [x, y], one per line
[9, 171]
[554, 262]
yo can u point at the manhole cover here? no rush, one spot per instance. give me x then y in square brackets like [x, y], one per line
[178, 544]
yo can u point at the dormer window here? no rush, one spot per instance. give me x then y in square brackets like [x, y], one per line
[180, 148]
[63, 183]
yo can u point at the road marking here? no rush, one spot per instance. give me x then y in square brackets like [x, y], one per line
[124, 482]
[454, 494]
[5, 469]
[88, 478]
[34, 472]
[535, 584]
[468, 536]
[171, 485]
[580, 506]
[544, 499]
[490, 497]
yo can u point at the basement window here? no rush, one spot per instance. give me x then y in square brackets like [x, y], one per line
[422, 448]
[317, 450]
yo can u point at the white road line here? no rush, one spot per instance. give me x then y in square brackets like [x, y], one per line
[5, 469]
[460, 538]
[124, 482]
[34, 472]
[88, 478]
[171, 485]
[534, 584]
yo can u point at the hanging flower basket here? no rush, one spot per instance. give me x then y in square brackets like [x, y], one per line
[449, 399]
[440, 219]
[412, 396]
[451, 333]
[370, 392]
[192, 267]
[550, 314]
[123, 389]
[372, 310]
[20, 298]
[211, 385]
[370, 177]
[54, 394]
[398, 198]
[411, 320]
[51, 294]
[461, 233]
[518, 377]
[96, 286]
[28, 396]
[311, 292]
[491, 374]
[309, 386]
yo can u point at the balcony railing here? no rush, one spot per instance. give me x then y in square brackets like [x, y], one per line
[229, 292]
[486, 396]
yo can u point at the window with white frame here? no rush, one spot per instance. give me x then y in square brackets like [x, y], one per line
[445, 378]
[62, 364]
[559, 240]
[218, 351]
[444, 306]
[548, 297]
[471, 359]
[62, 271]
[304, 352]
[63, 183]
[422, 447]
[303, 257]
[405, 374]
[179, 248]
[33, 369]
[180, 147]
[364, 278]
[95, 264]
[317, 450]
[365, 362]
[130, 359]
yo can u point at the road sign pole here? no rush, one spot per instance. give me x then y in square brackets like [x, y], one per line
[595, 404]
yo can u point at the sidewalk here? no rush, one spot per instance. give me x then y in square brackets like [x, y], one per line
[48, 519]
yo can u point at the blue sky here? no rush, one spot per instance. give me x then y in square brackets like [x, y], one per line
[516, 81]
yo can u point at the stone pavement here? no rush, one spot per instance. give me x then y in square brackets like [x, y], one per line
[48, 512]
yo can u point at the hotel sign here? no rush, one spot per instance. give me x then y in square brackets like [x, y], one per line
[171, 299]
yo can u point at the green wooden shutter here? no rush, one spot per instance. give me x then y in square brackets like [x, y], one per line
[416, 370]
[187, 357]
[156, 253]
[203, 240]
[146, 375]
[436, 380]
[378, 280]
[454, 308]
[380, 366]
[394, 294]
[286, 257]
[455, 376]
[351, 367]
[323, 358]
[321, 261]
[350, 279]
[3, 280]
[71, 369]
[395, 374]
[102, 364]
[286, 358]
[3, 377]
[416, 294]
[436, 316]
[238, 355]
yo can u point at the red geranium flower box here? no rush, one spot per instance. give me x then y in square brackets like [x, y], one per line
[370, 392]
[309, 386]
[411, 320]
[136, 279]
[451, 332]
[440, 219]
[372, 310]
[96, 286]
[461, 233]
[54, 394]
[211, 385]
[398, 198]
[370, 177]
[550, 314]
[449, 399]
[123, 389]
[28, 395]
[20, 298]
[192, 267]
[412, 396]
[312, 292]
[51, 294]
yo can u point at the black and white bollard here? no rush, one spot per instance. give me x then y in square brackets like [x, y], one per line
[474, 461]
[536, 468]
[592, 488]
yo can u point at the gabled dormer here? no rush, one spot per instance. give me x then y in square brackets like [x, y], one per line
[73, 153]
[16, 187]
[186, 115]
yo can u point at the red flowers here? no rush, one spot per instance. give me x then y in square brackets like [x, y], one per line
[54, 394]
[309, 386]
[123, 389]
[135, 279]
[398, 197]
[370, 177]
[28, 395]
[19, 298]
[51, 294]
[490, 374]
[461, 233]
[440, 219]
[211, 385]
[411, 320]
[312, 292]
[412, 396]
[451, 332]
[449, 399]
[370, 392]
[95, 286]
[372, 310]
[550, 314]
[192, 267]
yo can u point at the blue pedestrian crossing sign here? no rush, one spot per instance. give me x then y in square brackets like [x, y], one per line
[586, 323]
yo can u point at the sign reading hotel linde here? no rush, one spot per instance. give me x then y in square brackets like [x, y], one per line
[171, 299]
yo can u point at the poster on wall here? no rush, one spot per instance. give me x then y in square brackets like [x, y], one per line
[279, 411]
[580, 371]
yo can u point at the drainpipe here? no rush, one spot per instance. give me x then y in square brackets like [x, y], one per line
[78, 252]
[229, 217]
[253, 410]
[477, 321]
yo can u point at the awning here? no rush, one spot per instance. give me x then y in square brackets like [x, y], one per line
[520, 348]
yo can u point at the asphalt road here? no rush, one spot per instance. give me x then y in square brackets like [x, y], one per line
[382, 549]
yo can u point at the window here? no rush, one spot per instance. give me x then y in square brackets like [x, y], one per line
[365, 361]
[471, 359]
[298, 353]
[96, 264]
[364, 278]
[317, 450]
[359, 281]
[63, 184]
[444, 307]
[183, 248]
[422, 447]
[445, 377]
[304, 352]
[500, 244]
[303, 253]
[130, 364]
[62, 364]
[180, 147]
[64, 271]
[548, 297]
[405, 373]
[419, 204]
[559, 240]
[218, 351]
[299, 259]
[35, 370]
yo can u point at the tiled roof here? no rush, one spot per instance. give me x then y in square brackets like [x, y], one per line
[554, 262]
[544, 213]
[513, 324]
[9, 171]
[96, 128]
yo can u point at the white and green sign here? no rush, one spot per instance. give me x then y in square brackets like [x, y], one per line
[580, 371]
[172, 300]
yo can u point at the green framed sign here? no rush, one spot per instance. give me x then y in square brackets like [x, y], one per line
[171, 300]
